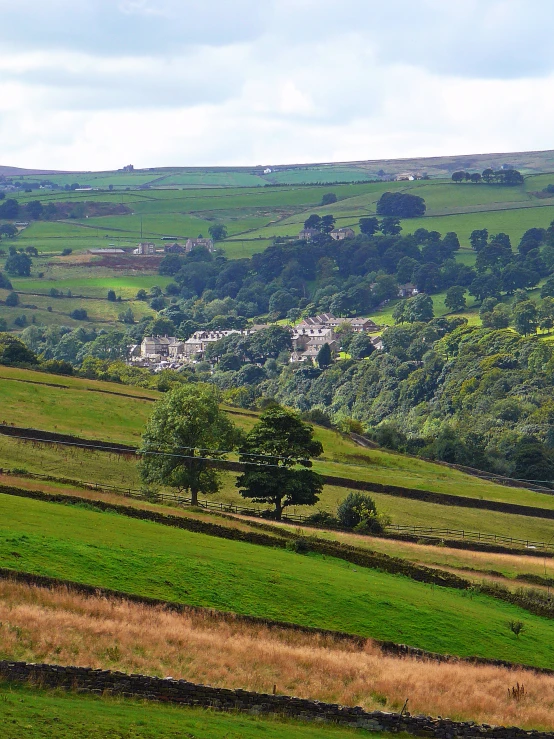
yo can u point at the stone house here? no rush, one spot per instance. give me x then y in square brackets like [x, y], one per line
[328, 320]
[145, 249]
[206, 243]
[153, 347]
[195, 347]
[174, 249]
[307, 234]
[307, 341]
[339, 234]
[407, 291]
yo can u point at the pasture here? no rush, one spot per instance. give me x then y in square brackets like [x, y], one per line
[140, 557]
[118, 413]
[36, 714]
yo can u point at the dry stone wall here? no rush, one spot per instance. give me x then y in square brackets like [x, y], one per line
[98, 682]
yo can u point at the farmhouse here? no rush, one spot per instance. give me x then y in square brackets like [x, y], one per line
[145, 249]
[407, 291]
[307, 234]
[205, 243]
[339, 234]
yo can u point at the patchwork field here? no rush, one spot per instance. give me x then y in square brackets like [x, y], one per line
[60, 627]
[134, 556]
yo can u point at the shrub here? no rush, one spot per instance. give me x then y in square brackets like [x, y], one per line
[66, 252]
[328, 198]
[300, 545]
[12, 299]
[79, 314]
[358, 511]
[57, 367]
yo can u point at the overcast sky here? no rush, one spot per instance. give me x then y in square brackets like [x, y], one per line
[96, 84]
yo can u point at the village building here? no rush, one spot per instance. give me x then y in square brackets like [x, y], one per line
[195, 347]
[307, 234]
[205, 243]
[174, 248]
[307, 342]
[328, 320]
[145, 249]
[407, 291]
[339, 234]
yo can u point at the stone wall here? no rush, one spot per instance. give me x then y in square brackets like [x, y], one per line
[98, 682]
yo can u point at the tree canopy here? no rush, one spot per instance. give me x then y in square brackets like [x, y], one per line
[186, 430]
[273, 450]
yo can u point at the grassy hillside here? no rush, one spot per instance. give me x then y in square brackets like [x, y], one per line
[35, 714]
[141, 557]
[97, 410]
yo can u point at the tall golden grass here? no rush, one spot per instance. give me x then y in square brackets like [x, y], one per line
[62, 627]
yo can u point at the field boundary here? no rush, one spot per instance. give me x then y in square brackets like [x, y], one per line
[425, 496]
[338, 550]
[168, 690]
[356, 640]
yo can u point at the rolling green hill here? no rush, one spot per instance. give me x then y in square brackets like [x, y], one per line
[140, 557]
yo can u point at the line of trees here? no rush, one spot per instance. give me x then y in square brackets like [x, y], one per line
[509, 177]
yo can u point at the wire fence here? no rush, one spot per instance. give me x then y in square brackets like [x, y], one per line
[428, 532]
[419, 532]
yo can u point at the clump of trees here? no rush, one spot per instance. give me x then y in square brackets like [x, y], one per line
[400, 205]
[489, 176]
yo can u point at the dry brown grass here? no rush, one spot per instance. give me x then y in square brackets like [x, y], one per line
[62, 627]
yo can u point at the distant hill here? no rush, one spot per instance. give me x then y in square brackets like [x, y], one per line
[20, 172]
[443, 166]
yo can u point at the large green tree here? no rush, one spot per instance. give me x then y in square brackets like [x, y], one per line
[277, 453]
[186, 431]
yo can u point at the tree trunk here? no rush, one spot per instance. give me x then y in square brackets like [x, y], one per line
[278, 510]
[194, 496]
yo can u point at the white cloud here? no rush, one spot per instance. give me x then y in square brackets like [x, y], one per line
[96, 83]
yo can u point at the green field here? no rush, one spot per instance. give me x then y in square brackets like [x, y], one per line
[89, 409]
[141, 557]
[40, 714]
[180, 204]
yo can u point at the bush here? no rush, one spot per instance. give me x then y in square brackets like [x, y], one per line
[12, 300]
[300, 545]
[79, 314]
[66, 252]
[358, 512]
[328, 198]
[57, 367]
[5, 284]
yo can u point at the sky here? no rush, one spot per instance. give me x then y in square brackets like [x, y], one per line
[97, 84]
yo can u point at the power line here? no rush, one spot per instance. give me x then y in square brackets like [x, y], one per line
[118, 450]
